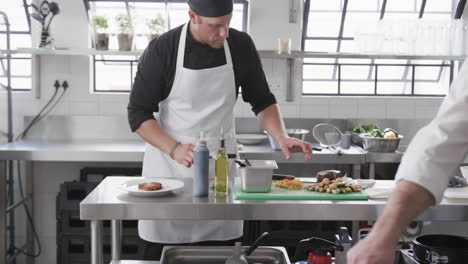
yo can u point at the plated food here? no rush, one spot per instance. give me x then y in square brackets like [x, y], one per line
[150, 186]
[337, 186]
[328, 174]
[290, 184]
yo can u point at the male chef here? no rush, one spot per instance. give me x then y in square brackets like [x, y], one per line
[433, 156]
[190, 76]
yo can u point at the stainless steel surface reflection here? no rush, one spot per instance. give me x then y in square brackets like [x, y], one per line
[218, 255]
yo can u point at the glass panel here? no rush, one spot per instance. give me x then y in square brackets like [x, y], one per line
[324, 24]
[394, 73]
[16, 41]
[330, 5]
[357, 87]
[436, 6]
[21, 67]
[110, 10]
[394, 87]
[360, 22]
[143, 12]
[362, 5]
[112, 77]
[358, 61]
[400, 5]
[353, 72]
[21, 83]
[348, 46]
[427, 80]
[178, 14]
[321, 45]
[319, 60]
[237, 17]
[319, 87]
[16, 15]
[321, 72]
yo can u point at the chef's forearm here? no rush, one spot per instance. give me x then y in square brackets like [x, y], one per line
[270, 119]
[407, 202]
[153, 133]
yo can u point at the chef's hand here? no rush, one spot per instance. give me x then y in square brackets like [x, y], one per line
[372, 250]
[183, 154]
[289, 144]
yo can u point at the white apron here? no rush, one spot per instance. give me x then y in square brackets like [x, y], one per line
[200, 100]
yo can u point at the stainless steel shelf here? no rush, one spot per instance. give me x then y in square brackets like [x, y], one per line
[263, 53]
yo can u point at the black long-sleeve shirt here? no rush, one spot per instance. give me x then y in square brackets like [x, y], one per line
[157, 67]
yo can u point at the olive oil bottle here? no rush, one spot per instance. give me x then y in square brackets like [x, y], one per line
[221, 169]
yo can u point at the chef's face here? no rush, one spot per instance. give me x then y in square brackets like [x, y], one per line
[212, 31]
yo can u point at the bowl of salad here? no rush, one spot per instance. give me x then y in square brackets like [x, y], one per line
[377, 140]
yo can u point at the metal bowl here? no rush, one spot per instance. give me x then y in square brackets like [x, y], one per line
[372, 144]
[298, 133]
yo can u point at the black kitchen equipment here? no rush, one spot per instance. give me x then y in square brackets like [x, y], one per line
[437, 248]
[240, 163]
[241, 258]
[316, 250]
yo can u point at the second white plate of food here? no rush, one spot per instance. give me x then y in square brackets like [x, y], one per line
[168, 186]
[251, 139]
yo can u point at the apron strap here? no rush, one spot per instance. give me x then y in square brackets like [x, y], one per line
[227, 53]
[181, 50]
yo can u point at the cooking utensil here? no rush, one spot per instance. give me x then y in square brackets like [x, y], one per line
[441, 249]
[328, 136]
[256, 243]
[372, 144]
[240, 163]
[238, 257]
[292, 132]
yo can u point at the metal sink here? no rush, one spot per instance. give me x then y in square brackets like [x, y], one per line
[218, 255]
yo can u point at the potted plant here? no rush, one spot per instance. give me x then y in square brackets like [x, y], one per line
[156, 26]
[101, 37]
[125, 37]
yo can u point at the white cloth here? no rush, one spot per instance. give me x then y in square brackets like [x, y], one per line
[200, 100]
[437, 150]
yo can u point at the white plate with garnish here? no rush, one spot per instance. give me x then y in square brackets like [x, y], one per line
[168, 186]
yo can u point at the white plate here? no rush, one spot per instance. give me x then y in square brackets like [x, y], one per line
[250, 139]
[168, 185]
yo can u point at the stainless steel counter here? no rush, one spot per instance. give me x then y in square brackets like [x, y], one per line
[108, 202]
[80, 150]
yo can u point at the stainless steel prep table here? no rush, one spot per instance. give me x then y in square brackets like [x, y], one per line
[107, 202]
[354, 156]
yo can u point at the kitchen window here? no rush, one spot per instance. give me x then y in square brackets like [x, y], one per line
[332, 26]
[115, 73]
[20, 36]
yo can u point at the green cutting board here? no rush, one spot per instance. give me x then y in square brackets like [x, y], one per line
[277, 193]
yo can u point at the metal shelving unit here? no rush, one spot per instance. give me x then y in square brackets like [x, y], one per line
[272, 54]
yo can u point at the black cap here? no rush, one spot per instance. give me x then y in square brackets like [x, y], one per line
[211, 8]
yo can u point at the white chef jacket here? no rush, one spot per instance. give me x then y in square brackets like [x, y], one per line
[437, 150]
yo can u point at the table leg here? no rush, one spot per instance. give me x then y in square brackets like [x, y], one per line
[356, 171]
[116, 237]
[3, 193]
[372, 170]
[29, 182]
[355, 233]
[96, 242]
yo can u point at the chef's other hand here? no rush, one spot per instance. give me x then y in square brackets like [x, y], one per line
[372, 250]
[183, 154]
[290, 144]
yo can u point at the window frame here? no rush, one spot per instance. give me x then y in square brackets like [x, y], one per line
[373, 66]
[134, 62]
[12, 58]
